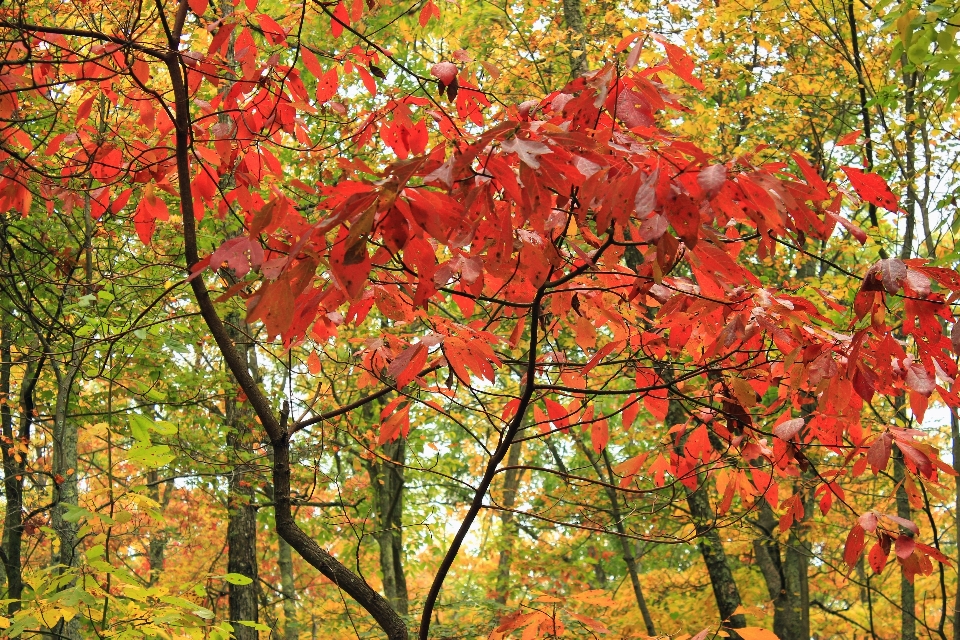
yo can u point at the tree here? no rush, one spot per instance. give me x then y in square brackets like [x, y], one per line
[507, 275]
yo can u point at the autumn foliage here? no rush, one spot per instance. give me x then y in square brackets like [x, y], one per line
[448, 362]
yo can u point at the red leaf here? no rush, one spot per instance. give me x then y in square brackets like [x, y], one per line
[681, 64]
[274, 305]
[630, 410]
[878, 558]
[199, 7]
[339, 19]
[872, 188]
[932, 552]
[812, 177]
[712, 178]
[327, 85]
[408, 364]
[850, 138]
[368, 81]
[879, 453]
[905, 546]
[398, 423]
[854, 545]
[83, 111]
[311, 62]
[445, 72]
[271, 29]
[626, 41]
[313, 363]
[350, 265]
[429, 10]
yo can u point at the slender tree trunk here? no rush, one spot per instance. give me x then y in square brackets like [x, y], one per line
[605, 475]
[573, 17]
[156, 548]
[725, 590]
[6, 418]
[908, 614]
[14, 467]
[242, 553]
[508, 528]
[908, 620]
[386, 478]
[66, 435]
[291, 627]
[241, 507]
[599, 573]
[785, 573]
[955, 436]
[625, 546]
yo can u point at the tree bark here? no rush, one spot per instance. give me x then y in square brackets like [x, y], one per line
[291, 627]
[13, 476]
[955, 437]
[241, 507]
[785, 573]
[386, 478]
[508, 528]
[242, 553]
[156, 548]
[573, 17]
[725, 590]
[606, 476]
[908, 614]
[352, 584]
[66, 435]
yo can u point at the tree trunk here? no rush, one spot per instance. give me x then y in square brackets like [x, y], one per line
[291, 627]
[955, 448]
[13, 475]
[711, 548]
[725, 590]
[386, 478]
[508, 529]
[242, 552]
[786, 577]
[573, 17]
[65, 439]
[625, 548]
[908, 614]
[241, 508]
[156, 549]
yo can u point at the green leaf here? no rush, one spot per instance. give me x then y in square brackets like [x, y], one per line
[165, 428]
[140, 427]
[237, 578]
[259, 626]
[150, 456]
[72, 513]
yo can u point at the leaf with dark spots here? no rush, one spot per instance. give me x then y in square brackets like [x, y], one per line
[872, 188]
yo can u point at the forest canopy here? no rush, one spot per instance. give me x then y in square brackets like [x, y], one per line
[539, 320]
